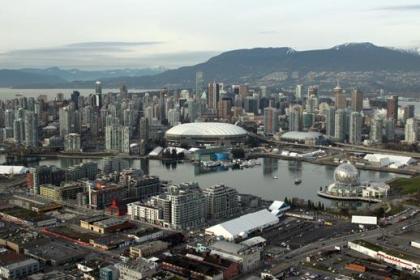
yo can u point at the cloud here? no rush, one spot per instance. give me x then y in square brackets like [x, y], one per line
[399, 8]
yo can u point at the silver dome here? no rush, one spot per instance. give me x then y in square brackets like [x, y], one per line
[346, 174]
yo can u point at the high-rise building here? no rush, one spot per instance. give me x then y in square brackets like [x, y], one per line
[222, 201]
[410, 131]
[298, 92]
[173, 117]
[75, 98]
[340, 98]
[72, 143]
[295, 118]
[31, 129]
[355, 136]
[69, 120]
[144, 129]
[98, 94]
[376, 130]
[357, 100]
[225, 108]
[162, 104]
[340, 119]
[330, 122]
[251, 105]
[213, 95]
[408, 112]
[389, 130]
[199, 83]
[271, 122]
[392, 108]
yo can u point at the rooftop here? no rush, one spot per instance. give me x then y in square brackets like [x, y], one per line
[209, 129]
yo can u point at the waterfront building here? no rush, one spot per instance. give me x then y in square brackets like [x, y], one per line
[271, 122]
[222, 201]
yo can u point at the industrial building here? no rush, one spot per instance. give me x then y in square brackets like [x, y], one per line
[244, 225]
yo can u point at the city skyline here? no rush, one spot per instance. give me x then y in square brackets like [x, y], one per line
[147, 34]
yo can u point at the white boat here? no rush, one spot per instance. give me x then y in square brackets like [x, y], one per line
[275, 177]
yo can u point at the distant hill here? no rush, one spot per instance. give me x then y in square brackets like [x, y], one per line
[13, 78]
[56, 77]
[364, 65]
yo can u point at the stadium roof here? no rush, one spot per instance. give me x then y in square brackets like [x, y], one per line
[301, 135]
[206, 129]
[243, 225]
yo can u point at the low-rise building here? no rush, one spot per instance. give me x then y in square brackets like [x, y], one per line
[137, 270]
[147, 249]
[65, 191]
[15, 266]
[103, 224]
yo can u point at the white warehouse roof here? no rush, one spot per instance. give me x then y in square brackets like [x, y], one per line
[206, 129]
[243, 225]
[10, 169]
[389, 159]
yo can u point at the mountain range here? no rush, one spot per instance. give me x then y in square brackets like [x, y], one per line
[357, 64]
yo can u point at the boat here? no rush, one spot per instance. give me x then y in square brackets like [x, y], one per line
[298, 181]
[275, 177]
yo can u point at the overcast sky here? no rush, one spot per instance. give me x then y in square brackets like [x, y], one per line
[95, 34]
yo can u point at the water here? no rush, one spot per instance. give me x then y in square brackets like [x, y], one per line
[258, 180]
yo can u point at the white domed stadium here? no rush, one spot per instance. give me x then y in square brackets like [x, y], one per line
[206, 133]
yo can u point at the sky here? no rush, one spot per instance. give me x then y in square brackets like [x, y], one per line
[106, 34]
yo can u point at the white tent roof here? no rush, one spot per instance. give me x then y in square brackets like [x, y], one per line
[10, 169]
[390, 159]
[244, 224]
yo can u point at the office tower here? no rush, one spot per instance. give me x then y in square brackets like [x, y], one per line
[271, 122]
[355, 136]
[295, 118]
[173, 117]
[356, 100]
[18, 131]
[31, 129]
[199, 82]
[410, 131]
[389, 130]
[298, 92]
[330, 122]
[193, 110]
[98, 95]
[392, 108]
[123, 91]
[340, 98]
[312, 91]
[213, 95]
[408, 112]
[75, 98]
[376, 128]
[251, 105]
[144, 129]
[162, 104]
[340, 119]
[308, 120]
[312, 103]
[9, 117]
[69, 120]
[243, 91]
[264, 91]
[225, 108]
[222, 201]
[72, 143]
